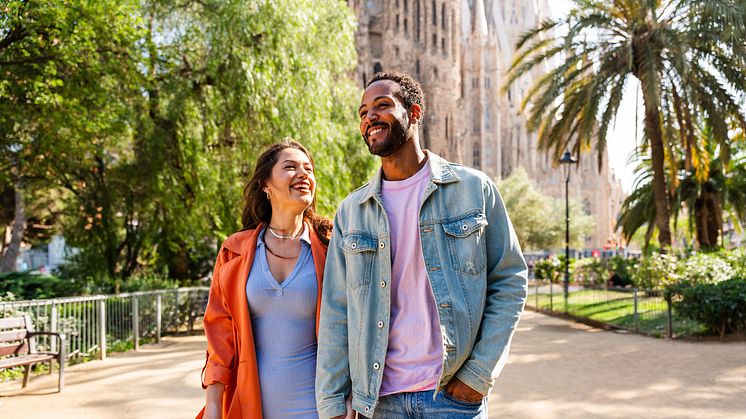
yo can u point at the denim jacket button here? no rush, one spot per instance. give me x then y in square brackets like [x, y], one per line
[382, 245]
[464, 227]
[383, 284]
[376, 365]
[380, 325]
[353, 245]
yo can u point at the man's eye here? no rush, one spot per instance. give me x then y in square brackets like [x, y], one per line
[362, 115]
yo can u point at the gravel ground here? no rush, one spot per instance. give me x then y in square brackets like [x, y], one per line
[557, 369]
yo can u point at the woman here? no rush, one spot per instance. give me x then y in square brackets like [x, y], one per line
[262, 315]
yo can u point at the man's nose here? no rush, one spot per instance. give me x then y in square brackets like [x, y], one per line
[372, 117]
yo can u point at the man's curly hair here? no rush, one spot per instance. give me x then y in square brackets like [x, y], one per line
[410, 91]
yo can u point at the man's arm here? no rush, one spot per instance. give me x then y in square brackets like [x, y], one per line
[506, 295]
[332, 364]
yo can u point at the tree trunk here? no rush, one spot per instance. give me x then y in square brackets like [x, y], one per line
[660, 188]
[18, 228]
[707, 219]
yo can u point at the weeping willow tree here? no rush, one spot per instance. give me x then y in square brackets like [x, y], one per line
[688, 56]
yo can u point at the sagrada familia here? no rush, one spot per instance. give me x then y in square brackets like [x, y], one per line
[460, 50]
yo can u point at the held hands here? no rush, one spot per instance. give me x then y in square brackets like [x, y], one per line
[350, 413]
[461, 391]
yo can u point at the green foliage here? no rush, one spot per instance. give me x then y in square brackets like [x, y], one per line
[684, 59]
[656, 271]
[33, 286]
[621, 270]
[705, 268]
[590, 271]
[553, 269]
[145, 118]
[539, 220]
[736, 258]
[720, 306]
[615, 271]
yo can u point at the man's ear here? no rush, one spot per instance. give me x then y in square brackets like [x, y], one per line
[415, 112]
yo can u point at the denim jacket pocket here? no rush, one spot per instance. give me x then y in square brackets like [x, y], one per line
[359, 250]
[466, 242]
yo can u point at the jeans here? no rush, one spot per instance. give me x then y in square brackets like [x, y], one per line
[420, 405]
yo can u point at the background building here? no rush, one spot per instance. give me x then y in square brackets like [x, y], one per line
[460, 50]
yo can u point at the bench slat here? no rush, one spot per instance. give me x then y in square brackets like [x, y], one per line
[12, 322]
[12, 335]
[14, 349]
[24, 360]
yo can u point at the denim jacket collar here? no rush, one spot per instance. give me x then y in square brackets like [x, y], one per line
[441, 172]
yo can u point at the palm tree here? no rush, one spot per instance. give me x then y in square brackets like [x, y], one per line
[689, 57]
[638, 208]
[706, 195]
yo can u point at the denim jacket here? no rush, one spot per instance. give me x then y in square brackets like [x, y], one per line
[476, 271]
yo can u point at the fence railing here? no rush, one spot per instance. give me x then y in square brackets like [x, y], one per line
[95, 324]
[640, 311]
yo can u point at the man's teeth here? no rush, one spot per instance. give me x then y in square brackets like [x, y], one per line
[376, 131]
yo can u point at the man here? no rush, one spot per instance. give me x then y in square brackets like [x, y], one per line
[424, 281]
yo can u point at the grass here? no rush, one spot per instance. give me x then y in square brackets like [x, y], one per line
[617, 308]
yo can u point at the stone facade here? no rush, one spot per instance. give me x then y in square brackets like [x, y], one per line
[460, 50]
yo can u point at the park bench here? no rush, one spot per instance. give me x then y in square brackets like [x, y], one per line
[18, 347]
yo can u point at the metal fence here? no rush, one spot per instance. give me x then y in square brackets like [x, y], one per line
[95, 324]
[640, 311]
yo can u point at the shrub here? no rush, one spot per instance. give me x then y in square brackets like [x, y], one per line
[705, 268]
[621, 270]
[720, 306]
[656, 271]
[736, 258]
[552, 269]
[590, 271]
[34, 285]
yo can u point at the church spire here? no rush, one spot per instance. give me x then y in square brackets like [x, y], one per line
[478, 19]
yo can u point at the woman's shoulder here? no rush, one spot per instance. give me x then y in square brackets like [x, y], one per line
[239, 242]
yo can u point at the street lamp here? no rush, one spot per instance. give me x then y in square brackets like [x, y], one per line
[566, 161]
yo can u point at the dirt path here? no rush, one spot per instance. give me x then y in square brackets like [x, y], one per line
[561, 369]
[557, 369]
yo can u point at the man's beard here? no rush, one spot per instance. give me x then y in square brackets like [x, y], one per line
[395, 140]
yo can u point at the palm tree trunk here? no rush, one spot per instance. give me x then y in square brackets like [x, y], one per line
[18, 228]
[660, 189]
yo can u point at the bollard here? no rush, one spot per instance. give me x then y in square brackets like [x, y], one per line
[551, 297]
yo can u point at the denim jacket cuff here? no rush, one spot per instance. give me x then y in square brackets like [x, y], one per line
[475, 377]
[330, 408]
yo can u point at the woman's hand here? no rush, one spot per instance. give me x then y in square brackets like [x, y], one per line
[213, 406]
[350, 413]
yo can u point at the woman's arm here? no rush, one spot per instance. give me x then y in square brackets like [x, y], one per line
[214, 402]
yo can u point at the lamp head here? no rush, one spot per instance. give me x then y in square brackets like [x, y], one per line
[567, 158]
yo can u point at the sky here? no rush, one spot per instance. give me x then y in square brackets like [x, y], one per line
[621, 136]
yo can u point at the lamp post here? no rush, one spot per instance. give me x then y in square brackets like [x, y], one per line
[566, 161]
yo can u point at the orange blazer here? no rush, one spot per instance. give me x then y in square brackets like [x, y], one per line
[231, 357]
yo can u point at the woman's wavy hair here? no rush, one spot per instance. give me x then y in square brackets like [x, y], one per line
[257, 208]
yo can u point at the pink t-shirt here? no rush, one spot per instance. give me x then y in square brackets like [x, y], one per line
[415, 350]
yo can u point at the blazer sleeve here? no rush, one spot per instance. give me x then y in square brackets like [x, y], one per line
[219, 330]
